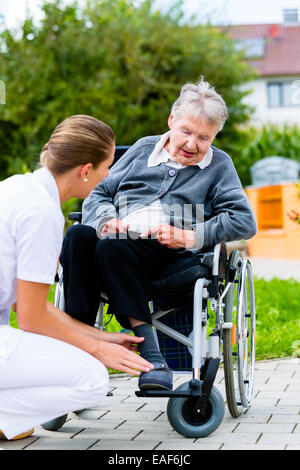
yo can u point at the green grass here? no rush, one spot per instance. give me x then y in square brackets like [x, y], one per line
[277, 318]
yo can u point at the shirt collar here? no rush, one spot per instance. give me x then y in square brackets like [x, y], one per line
[49, 183]
[157, 156]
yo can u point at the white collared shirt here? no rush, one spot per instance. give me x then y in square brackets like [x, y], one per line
[31, 235]
[151, 216]
[160, 155]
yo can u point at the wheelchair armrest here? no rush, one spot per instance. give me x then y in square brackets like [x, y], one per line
[77, 216]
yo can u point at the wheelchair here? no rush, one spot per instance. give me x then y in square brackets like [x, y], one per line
[221, 291]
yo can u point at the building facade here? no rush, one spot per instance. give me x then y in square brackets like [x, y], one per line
[273, 50]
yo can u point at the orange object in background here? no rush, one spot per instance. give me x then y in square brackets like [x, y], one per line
[278, 236]
[233, 334]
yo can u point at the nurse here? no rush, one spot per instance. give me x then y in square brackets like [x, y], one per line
[52, 364]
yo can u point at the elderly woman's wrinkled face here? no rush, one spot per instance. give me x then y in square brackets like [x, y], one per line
[190, 139]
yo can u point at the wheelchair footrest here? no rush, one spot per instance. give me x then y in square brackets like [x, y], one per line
[168, 393]
[196, 388]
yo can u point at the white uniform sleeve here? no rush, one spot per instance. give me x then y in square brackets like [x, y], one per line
[39, 240]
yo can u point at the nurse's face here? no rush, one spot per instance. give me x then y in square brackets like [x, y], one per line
[96, 175]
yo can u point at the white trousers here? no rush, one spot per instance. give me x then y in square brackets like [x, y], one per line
[44, 378]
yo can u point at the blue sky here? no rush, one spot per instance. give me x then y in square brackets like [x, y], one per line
[219, 11]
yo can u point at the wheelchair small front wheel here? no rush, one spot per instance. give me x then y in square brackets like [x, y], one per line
[184, 418]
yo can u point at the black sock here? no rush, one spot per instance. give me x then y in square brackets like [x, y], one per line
[149, 349]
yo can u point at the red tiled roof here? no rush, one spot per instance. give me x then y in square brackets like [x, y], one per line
[282, 49]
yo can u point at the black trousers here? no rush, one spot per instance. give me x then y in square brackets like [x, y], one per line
[123, 268]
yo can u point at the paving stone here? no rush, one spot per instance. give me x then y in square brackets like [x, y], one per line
[155, 406]
[295, 401]
[91, 414]
[93, 423]
[127, 415]
[109, 401]
[102, 410]
[61, 444]
[248, 418]
[114, 434]
[285, 419]
[17, 445]
[293, 387]
[161, 435]
[237, 446]
[279, 394]
[233, 437]
[187, 445]
[261, 408]
[267, 402]
[279, 438]
[123, 445]
[145, 425]
[254, 427]
[66, 432]
[123, 392]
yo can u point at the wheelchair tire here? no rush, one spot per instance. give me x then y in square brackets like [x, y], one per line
[182, 419]
[55, 424]
[239, 341]
[59, 298]
[246, 335]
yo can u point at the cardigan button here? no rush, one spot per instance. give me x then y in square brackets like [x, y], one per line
[172, 172]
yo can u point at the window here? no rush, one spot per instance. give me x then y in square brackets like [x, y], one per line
[282, 94]
[254, 48]
[290, 16]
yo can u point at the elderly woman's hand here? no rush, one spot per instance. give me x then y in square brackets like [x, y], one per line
[114, 226]
[172, 237]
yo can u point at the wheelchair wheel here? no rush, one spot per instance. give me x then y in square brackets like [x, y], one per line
[55, 424]
[239, 342]
[182, 416]
[59, 298]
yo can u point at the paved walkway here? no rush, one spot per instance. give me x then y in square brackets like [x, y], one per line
[126, 422]
[281, 268]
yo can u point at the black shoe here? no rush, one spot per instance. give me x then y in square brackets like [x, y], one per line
[159, 378]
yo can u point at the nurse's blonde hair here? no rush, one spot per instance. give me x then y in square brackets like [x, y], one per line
[76, 141]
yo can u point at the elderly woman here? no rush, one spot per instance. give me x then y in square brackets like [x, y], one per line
[179, 194]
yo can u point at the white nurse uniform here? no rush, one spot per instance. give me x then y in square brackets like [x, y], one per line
[40, 377]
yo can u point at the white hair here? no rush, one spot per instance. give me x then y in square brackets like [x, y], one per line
[201, 100]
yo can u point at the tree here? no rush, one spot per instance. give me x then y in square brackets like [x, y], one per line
[269, 140]
[117, 61]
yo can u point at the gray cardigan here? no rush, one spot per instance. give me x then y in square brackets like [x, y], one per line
[213, 201]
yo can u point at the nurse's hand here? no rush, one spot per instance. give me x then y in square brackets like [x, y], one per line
[172, 237]
[117, 357]
[128, 341]
[14, 307]
[114, 226]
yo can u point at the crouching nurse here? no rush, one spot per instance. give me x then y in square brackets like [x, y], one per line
[52, 364]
